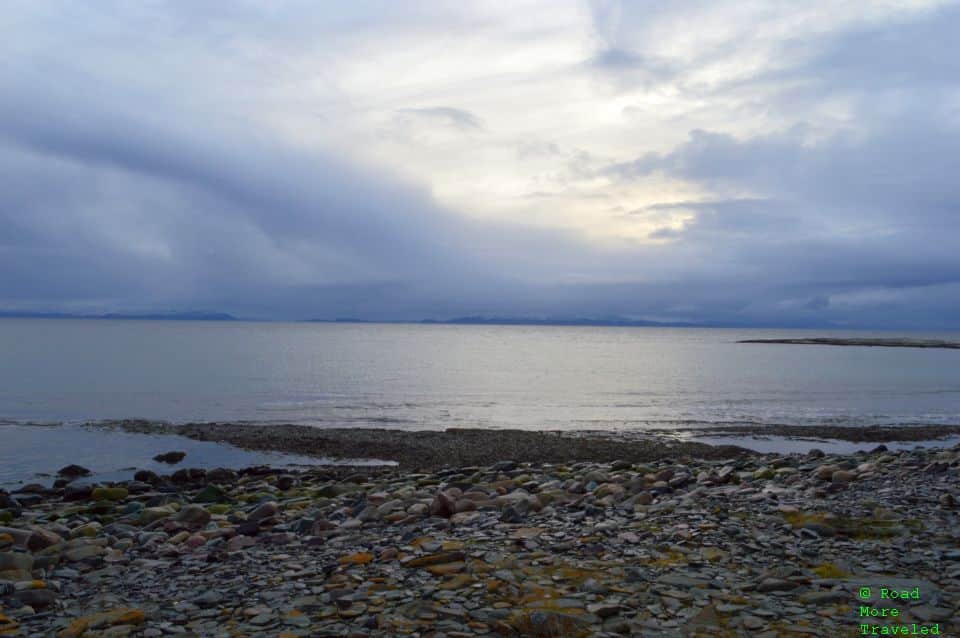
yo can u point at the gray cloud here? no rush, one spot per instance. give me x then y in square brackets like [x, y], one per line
[914, 54]
[533, 149]
[117, 195]
[625, 70]
[186, 213]
[443, 115]
[840, 215]
[855, 225]
[104, 210]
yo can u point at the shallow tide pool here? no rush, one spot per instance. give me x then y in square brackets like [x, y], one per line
[34, 453]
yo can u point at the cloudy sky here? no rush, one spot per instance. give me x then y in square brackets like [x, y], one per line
[768, 163]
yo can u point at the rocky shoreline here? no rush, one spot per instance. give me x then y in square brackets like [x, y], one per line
[754, 544]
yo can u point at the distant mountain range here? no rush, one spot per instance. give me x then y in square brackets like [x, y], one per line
[524, 321]
[171, 316]
[528, 321]
[475, 320]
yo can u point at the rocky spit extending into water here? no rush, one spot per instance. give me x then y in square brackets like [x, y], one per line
[862, 341]
[758, 545]
[923, 433]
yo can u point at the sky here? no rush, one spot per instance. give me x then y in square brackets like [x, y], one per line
[750, 163]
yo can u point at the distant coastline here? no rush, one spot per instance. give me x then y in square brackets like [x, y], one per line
[172, 316]
[471, 320]
[527, 321]
[604, 322]
[496, 320]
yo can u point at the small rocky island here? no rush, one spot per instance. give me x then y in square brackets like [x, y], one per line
[858, 341]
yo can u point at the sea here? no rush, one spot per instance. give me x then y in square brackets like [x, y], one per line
[61, 373]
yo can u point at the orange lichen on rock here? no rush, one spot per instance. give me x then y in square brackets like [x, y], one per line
[122, 616]
[360, 558]
[7, 625]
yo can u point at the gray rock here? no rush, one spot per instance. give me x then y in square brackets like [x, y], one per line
[73, 471]
[193, 515]
[170, 457]
[77, 492]
[263, 511]
[443, 505]
[516, 513]
[826, 597]
[15, 560]
[209, 598]
[285, 482]
[37, 598]
[776, 584]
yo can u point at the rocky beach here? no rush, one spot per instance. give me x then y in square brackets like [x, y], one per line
[683, 540]
[479, 319]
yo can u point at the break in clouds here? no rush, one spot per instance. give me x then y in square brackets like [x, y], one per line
[721, 162]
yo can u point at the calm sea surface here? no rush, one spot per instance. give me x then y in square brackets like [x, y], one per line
[433, 376]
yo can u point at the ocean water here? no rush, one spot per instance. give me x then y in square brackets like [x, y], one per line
[34, 454]
[439, 376]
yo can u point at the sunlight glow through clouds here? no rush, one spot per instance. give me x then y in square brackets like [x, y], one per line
[294, 158]
[525, 70]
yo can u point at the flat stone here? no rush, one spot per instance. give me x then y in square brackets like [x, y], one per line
[929, 613]
[445, 569]
[262, 511]
[435, 559]
[195, 515]
[826, 598]
[84, 553]
[680, 580]
[15, 560]
[776, 584]
[548, 624]
[37, 598]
